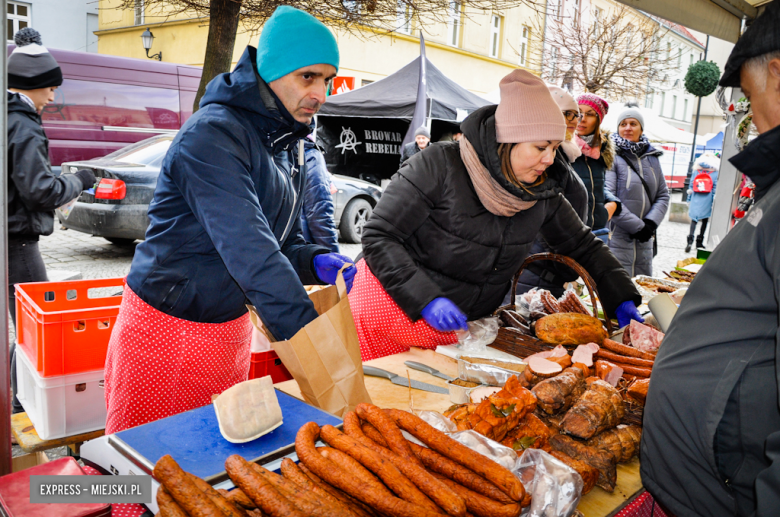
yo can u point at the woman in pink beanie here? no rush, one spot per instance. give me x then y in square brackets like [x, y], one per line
[456, 222]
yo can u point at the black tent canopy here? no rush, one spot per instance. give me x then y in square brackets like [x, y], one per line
[361, 131]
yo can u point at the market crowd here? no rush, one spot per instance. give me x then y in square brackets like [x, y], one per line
[537, 172]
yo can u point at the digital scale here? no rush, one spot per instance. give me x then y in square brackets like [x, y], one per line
[194, 441]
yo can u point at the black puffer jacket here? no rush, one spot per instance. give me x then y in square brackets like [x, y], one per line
[430, 236]
[33, 191]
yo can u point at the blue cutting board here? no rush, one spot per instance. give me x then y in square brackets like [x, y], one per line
[194, 440]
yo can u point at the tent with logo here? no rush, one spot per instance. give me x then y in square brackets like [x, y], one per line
[361, 131]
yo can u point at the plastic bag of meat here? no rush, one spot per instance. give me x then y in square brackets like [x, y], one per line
[645, 338]
[480, 334]
[530, 305]
[555, 488]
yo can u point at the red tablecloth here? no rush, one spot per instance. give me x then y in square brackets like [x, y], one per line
[643, 506]
[118, 510]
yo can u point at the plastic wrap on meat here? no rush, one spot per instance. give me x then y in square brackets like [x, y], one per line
[602, 461]
[588, 474]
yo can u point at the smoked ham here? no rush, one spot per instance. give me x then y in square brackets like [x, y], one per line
[602, 461]
[599, 408]
[530, 432]
[622, 442]
[560, 392]
[645, 338]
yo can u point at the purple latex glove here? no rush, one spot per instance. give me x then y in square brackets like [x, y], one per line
[327, 266]
[626, 312]
[443, 315]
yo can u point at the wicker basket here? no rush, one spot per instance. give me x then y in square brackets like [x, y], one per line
[516, 343]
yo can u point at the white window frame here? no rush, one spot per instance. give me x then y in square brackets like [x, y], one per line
[649, 97]
[663, 104]
[15, 18]
[596, 20]
[576, 12]
[690, 60]
[674, 106]
[554, 63]
[495, 36]
[685, 109]
[139, 14]
[453, 23]
[679, 58]
[559, 12]
[525, 36]
[404, 15]
[630, 38]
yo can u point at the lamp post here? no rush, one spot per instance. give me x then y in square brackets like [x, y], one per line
[147, 38]
[688, 176]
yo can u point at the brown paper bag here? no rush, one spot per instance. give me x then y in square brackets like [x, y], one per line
[324, 356]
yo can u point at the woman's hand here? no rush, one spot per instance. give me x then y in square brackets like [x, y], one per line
[443, 315]
[327, 266]
[647, 231]
[626, 312]
[611, 208]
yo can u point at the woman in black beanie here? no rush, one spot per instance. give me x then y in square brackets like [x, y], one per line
[33, 190]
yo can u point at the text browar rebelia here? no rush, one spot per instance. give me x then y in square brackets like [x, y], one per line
[378, 146]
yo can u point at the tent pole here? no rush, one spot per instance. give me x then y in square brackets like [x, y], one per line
[5, 362]
[695, 131]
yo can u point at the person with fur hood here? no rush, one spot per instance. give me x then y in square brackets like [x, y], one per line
[597, 155]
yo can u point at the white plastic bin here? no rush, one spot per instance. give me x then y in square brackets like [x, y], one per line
[63, 405]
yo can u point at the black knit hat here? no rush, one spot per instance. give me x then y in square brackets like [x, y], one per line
[762, 37]
[30, 66]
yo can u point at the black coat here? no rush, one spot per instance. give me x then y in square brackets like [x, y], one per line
[430, 236]
[409, 150]
[33, 190]
[593, 173]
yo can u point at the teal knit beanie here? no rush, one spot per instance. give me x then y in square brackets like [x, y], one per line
[292, 39]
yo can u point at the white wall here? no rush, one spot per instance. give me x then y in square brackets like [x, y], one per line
[63, 24]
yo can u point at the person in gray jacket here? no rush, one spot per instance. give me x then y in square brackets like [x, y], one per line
[637, 180]
[711, 438]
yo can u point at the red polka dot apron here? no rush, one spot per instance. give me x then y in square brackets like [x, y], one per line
[158, 365]
[382, 326]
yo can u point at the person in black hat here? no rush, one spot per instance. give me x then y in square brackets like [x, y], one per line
[33, 190]
[422, 137]
[711, 438]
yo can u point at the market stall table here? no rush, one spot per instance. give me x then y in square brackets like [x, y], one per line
[28, 439]
[385, 394]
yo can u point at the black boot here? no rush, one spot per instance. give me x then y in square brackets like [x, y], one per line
[690, 243]
[700, 241]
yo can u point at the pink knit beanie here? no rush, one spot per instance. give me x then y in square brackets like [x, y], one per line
[527, 111]
[597, 103]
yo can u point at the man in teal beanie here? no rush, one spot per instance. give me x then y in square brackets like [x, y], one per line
[225, 231]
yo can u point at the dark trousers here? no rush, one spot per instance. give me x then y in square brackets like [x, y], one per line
[25, 264]
[703, 227]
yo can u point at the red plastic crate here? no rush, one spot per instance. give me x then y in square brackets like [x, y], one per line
[61, 328]
[268, 363]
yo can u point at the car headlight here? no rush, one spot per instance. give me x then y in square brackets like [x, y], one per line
[74, 169]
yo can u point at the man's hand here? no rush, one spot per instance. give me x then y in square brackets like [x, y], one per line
[327, 266]
[443, 315]
[626, 312]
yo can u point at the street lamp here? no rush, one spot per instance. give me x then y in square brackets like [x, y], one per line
[147, 38]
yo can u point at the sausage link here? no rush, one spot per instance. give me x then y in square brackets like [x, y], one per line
[446, 446]
[167, 506]
[291, 471]
[265, 496]
[225, 506]
[183, 490]
[330, 473]
[307, 502]
[480, 505]
[620, 348]
[386, 471]
[444, 498]
[392, 434]
[458, 473]
[345, 498]
[635, 370]
[239, 498]
[371, 432]
[615, 358]
[349, 464]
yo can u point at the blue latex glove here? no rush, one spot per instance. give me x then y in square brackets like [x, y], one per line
[443, 315]
[626, 312]
[327, 266]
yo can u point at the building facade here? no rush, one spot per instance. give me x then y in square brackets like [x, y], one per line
[712, 117]
[474, 48]
[63, 24]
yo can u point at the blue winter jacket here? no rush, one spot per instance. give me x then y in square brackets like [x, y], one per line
[317, 221]
[225, 218]
[700, 204]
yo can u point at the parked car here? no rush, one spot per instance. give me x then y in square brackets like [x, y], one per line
[107, 102]
[117, 209]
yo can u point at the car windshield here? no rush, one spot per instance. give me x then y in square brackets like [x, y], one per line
[150, 154]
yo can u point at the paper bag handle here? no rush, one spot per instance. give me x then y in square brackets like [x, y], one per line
[341, 284]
